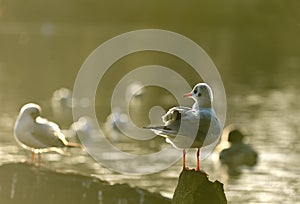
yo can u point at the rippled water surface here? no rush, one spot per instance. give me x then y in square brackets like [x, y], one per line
[254, 46]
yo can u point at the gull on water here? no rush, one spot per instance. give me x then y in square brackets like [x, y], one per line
[38, 134]
[194, 127]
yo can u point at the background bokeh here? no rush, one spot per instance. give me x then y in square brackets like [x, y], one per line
[254, 44]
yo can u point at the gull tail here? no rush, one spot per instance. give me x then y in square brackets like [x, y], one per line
[155, 127]
[66, 143]
[61, 151]
[161, 130]
[73, 144]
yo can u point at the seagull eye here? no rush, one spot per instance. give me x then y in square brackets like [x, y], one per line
[195, 91]
[199, 94]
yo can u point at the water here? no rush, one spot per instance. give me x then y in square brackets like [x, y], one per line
[255, 47]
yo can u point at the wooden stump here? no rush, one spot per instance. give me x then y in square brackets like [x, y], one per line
[194, 188]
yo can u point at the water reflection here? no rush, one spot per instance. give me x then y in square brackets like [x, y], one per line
[274, 179]
[271, 119]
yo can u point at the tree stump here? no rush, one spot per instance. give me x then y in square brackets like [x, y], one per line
[194, 187]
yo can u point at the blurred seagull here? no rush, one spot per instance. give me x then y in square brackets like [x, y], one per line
[134, 90]
[62, 98]
[116, 126]
[116, 120]
[194, 127]
[83, 128]
[38, 134]
[61, 104]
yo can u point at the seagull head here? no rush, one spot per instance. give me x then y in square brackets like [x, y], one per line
[201, 94]
[62, 98]
[31, 110]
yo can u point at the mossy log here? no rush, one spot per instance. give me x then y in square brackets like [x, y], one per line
[28, 184]
[194, 188]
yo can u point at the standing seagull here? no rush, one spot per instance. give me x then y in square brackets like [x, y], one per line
[38, 134]
[194, 127]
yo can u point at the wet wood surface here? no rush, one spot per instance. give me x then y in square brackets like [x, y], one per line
[194, 188]
[24, 183]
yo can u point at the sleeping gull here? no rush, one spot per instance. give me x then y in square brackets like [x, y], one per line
[38, 134]
[194, 127]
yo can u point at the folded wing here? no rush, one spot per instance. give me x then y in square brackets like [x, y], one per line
[48, 134]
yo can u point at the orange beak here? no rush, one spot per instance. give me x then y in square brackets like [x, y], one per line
[188, 95]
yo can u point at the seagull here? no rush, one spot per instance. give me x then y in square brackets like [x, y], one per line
[61, 98]
[194, 127]
[61, 104]
[38, 134]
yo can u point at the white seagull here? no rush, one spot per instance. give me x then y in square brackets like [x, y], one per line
[61, 104]
[194, 127]
[38, 134]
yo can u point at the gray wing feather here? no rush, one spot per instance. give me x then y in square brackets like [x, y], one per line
[48, 134]
[179, 120]
[190, 127]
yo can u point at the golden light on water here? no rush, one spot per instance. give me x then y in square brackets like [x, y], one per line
[254, 45]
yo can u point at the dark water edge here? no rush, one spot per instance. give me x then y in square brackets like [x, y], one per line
[26, 183]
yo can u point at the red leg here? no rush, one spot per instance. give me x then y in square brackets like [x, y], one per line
[183, 160]
[198, 160]
[39, 159]
[32, 157]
